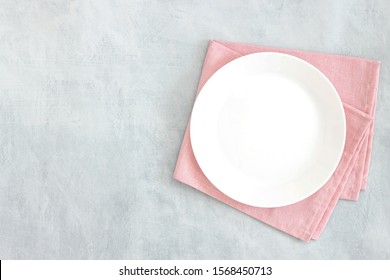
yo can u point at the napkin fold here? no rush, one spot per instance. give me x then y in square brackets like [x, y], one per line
[356, 80]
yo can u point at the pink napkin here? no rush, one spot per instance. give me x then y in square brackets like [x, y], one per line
[356, 80]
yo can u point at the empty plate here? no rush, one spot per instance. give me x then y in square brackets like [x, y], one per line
[268, 129]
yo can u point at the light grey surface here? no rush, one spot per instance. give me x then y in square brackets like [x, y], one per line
[94, 100]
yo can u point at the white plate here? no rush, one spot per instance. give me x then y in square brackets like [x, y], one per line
[268, 129]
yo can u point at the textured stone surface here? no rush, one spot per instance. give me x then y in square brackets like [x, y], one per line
[94, 100]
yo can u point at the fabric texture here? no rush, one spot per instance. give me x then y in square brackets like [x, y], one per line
[356, 81]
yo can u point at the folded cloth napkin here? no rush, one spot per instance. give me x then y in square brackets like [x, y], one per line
[356, 80]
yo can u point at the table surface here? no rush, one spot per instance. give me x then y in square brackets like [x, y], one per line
[94, 100]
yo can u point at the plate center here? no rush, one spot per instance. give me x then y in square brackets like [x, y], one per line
[270, 128]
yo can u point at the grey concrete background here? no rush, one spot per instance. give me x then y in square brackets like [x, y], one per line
[94, 100]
